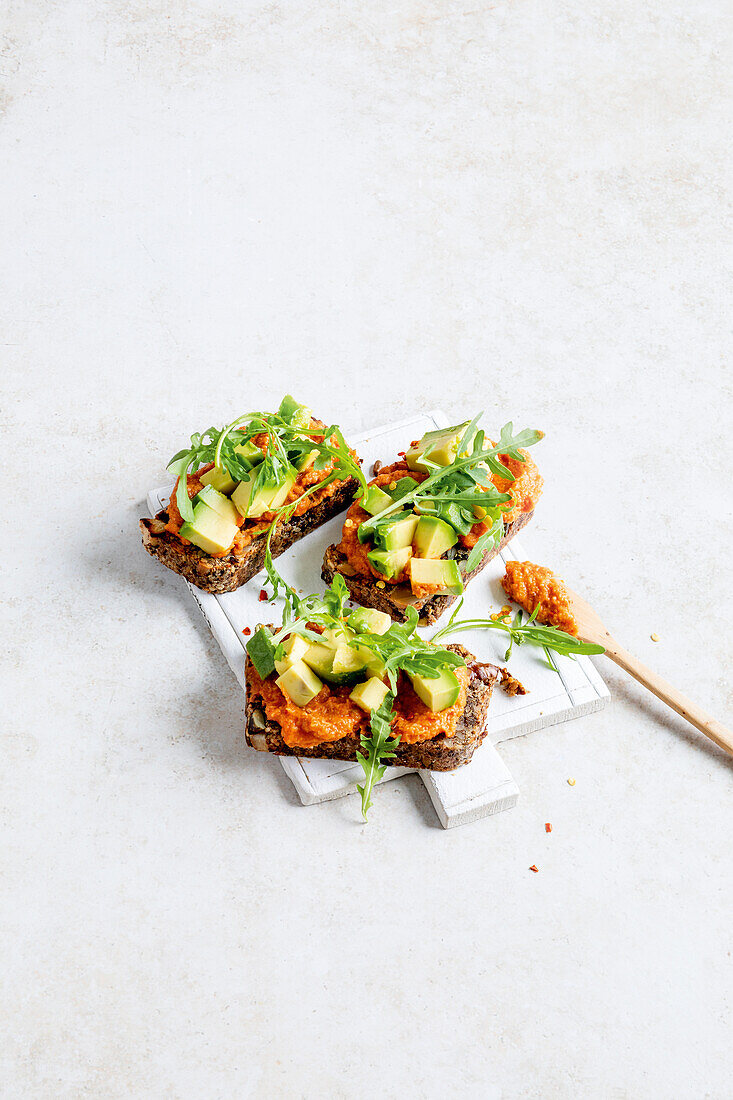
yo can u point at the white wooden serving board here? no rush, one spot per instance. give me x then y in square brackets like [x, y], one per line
[482, 787]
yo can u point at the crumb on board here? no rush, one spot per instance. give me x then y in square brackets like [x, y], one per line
[511, 685]
[571, 782]
[654, 637]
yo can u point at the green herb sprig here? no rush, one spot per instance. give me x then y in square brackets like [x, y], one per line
[376, 748]
[285, 444]
[549, 638]
[451, 492]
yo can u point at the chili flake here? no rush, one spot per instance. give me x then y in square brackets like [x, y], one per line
[533, 868]
[548, 827]
[246, 630]
[263, 595]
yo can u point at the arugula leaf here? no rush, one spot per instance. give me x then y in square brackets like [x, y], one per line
[547, 637]
[466, 482]
[283, 444]
[488, 540]
[377, 747]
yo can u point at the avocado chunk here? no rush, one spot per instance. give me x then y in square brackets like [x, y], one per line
[261, 652]
[295, 648]
[433, 537]
[440, 447]
[371, 662]
[211, 532]
[346, 660]
[322, 659]
[250, 453]
[397, 531]
[390, 563]
[305, 461]
[299, 683]
[370, 694]
[268, 498]
[436, 574]
[370, 620]
[438, 693]
[219, 478]
[295, 414]
[375, 500]
[218, 503]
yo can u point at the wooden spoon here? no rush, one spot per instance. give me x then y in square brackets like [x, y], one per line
[591, 629]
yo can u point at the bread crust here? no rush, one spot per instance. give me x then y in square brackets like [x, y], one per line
[218, 575]
[430, 608]
[440, 754]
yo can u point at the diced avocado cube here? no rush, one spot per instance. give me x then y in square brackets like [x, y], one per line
[299, 683]
[261, 651]
[375, 500]
[390, 563]
[249, 452]
[346, 660]
[440, 447]
[433, 537]
[371, 662]
[218, 478]
[436, 574]
[209, 531]
[370, 694]
[337, 635]
[297, 415]
[370, 620]
[320, 658]
[438, 693]
[295, 647]
[267, 498]
[305, 461]
[397, 531]
[218, 502]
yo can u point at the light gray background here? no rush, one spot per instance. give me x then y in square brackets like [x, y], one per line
[511, 206]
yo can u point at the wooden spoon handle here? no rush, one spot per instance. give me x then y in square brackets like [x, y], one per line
[700, 718]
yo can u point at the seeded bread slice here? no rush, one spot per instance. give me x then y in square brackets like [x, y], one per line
[442, 754]
[217, 575]
[394, 599]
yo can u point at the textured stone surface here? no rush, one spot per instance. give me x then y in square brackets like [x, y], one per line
[205, 205]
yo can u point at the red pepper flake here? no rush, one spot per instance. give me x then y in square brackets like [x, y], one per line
[533, 868]
[263, 595]
[246, 630]
[548, 827]
[401, 454]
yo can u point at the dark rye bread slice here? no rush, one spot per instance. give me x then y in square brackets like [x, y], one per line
[442, 754]
[217, 575]
[394, 599]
